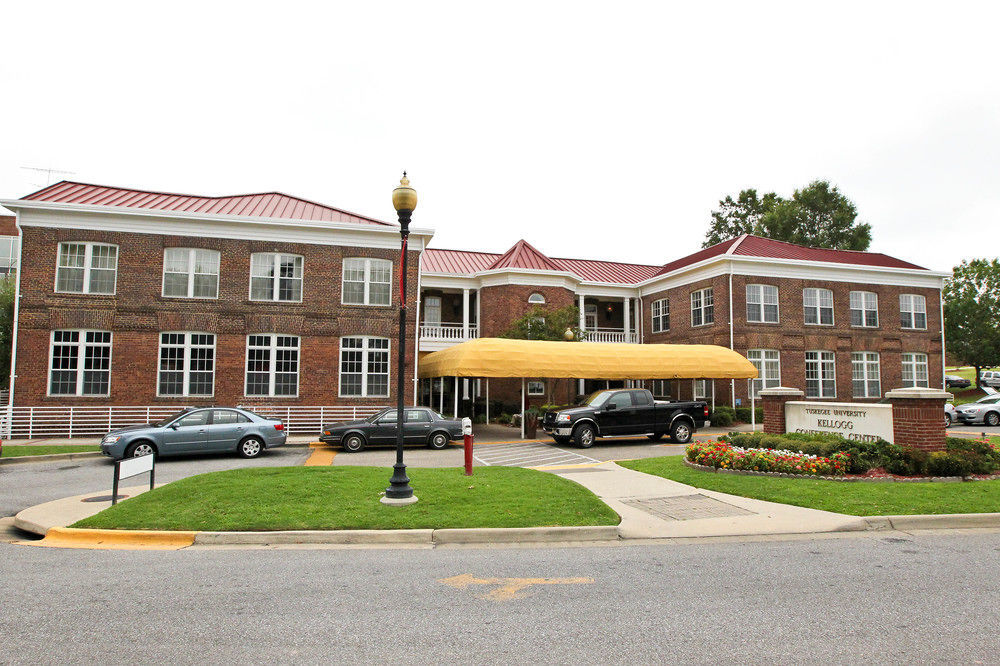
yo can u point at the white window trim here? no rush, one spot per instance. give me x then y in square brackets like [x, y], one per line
[81, 357]
[272, 370]
[190, 274]
[865, 362]
[864, 309]
[87, 260]
[762, 303]
[276, 280]
[536, 384]
[820, 361]
[763, 366]
[364, 367]
[533, 301]
[819, 308]
[913, 312]
[187, 363]
[701, 308]
[913, 367]
[368, 262]
[652, 309]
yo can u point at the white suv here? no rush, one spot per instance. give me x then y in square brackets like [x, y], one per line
[990, 378]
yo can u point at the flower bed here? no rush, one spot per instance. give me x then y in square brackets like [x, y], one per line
[722, 455]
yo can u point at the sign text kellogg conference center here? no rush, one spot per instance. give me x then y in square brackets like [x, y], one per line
[136, 298]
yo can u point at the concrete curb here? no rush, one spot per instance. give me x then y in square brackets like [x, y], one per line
[373, 537]
[51, 457]
[945, 521]
[526, 534]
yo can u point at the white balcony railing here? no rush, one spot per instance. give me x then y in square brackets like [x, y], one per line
[447, 331]
[610, 335]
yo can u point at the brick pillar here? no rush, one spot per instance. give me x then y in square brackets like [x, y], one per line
[774, 400]
[918, 417]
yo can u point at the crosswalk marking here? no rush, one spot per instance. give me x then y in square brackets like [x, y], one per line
[528, 454]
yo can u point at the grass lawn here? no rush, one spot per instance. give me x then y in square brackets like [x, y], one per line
[344, 498]
[858, 499]
[29, 450]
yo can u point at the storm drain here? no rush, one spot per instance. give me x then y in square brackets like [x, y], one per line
[686, 507]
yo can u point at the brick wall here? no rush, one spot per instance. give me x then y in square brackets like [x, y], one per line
[918, 423]
[138, 313]
[7, 225]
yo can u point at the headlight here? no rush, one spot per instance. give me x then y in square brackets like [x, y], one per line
[111, 439]
[562, 417]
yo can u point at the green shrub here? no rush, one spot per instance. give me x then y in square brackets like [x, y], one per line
[942, 463]
[479, 418]
[504, 419]
[722, 416]
[742, 414]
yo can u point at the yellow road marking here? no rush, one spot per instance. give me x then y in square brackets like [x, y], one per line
[506, 589]
[546, 468]
[69, 537]
[322, 456]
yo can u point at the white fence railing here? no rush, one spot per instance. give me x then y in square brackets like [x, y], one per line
[610, 335]
[41, 422]
[448, 331]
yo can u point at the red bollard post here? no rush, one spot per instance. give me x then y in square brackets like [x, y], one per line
[467, 432]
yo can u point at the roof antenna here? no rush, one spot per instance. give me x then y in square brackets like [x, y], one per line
[48, 174]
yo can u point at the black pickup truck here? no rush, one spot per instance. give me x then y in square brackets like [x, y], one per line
[622, 412]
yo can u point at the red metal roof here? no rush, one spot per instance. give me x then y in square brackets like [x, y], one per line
[523, 255]
[463, 262]
[607, 271]
[748, 245]
[459, 262]
[263, 204]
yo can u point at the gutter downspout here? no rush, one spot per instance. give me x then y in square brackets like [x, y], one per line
[17, 310]
[944, 352]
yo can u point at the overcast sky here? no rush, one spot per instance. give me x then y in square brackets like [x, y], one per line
[602, 130]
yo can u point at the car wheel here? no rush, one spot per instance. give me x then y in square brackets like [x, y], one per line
[681, 433]
[438, 441]
[655, 437]
[561, 440]
[251, 447]
[992, 419]
[139, 449]
[353, 443]
[584, 436]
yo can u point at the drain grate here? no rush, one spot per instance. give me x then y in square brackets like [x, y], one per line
[686, 507]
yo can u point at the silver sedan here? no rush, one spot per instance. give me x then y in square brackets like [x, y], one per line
[985, 411]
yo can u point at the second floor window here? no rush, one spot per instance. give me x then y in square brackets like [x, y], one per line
[914, 370]
[190, 273]
[762, 303]
[818, 306]
[80, 363]
[661, 315]
[864, 309]
[187, 364]
[275, 277]
[702, 307]
[366, 282]
[86, 268]
[912, 311]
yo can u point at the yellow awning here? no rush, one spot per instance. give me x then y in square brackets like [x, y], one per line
[499, 357]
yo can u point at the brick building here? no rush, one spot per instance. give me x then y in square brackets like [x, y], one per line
[142, 298]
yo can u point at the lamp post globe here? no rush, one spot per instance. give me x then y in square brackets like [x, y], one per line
[404, 200]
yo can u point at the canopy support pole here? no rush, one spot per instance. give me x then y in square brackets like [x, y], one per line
[441, 398]
[456, 397]
[522, 406]
[713, 395]
[753, 408]
[487, 401]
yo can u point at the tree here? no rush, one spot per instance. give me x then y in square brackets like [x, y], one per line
[545, 324]
[817, 215]
[7, 295]
[972, 313]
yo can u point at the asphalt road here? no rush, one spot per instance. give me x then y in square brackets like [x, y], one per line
[874, 598]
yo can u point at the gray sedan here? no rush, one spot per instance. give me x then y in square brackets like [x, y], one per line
[191, 431]
[985, 411]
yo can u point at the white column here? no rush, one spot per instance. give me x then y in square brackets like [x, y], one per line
[487, 395]
[583, 315]
[479, 319]
[522, 406]
[441, 398]
[456, 397]
[465, 314]
[627, 317]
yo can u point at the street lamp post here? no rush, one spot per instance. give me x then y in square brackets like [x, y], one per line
[404, 200]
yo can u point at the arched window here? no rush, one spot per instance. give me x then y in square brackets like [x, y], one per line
[536, 299]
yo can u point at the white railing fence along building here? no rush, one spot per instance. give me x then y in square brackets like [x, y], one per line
[447, 331]
[49, 421]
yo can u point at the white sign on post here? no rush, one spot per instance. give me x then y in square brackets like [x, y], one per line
[133, 466]
[855, 421]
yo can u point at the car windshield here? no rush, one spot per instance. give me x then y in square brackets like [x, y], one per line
[171, 418]
[378, 415]
[596, 399]
[989, 400]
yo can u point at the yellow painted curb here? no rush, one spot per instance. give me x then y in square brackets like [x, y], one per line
[71, 537]
[321, 457]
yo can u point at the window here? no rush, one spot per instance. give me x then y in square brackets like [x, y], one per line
[227, 417]
[702, 307]
[702, 389]
[198, 418]
[762, 303]
[432, 310]
[366, 282]
[590, 316]
[364, 367]
[187, 364]
[536, 388]
[190, 273]
[914, 370]
[821, 381]
[621, 400]
[661, 388]
[272, 365]
[818, 306]
[80, 363]
[536, 299]
[866, 375]
[641, 399]
[864, 309]
[768, 364]
[912, 311]
[275, 277]
[86, 268]
[661, 315]
[417, 416]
